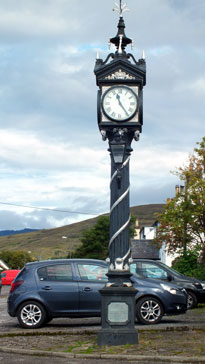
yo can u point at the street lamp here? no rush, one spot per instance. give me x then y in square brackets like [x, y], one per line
[117, 152]
[120, 79]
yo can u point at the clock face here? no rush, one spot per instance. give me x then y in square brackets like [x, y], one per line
[119, 103]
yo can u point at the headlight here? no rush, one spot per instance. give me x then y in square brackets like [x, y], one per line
[198, 285]
[169, 289]
[203, 285]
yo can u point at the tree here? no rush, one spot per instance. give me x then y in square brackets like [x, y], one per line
[182, 222]
[95, 240]
[15, 259]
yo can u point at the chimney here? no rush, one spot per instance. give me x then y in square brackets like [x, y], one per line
[176, 190]
[181, 189]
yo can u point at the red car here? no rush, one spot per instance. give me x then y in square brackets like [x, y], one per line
[7, 276]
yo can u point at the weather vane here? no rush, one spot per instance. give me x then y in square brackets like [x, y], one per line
[120, 8]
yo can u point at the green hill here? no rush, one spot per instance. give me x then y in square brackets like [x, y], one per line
[49, 242]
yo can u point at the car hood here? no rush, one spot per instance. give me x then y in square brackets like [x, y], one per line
[189, 279]
[185, 281]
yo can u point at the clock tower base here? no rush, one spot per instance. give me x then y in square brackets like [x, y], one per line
[118, 316]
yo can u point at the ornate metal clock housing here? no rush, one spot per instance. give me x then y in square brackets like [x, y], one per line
[120, 79]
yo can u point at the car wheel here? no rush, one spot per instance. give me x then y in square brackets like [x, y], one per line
[191, 300]
[31, 315]
[149, 310]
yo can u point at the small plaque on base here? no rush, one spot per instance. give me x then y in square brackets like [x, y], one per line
[118, 312]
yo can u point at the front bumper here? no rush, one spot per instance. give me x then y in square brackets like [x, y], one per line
[177, 309]
[201, 296]
[178, 303]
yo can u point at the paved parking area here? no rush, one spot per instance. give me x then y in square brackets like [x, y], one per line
[193, 319]
[7, 323]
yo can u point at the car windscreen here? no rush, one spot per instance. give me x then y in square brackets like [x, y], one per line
[171, 270]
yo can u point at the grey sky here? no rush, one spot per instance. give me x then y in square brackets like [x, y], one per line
[51, 152]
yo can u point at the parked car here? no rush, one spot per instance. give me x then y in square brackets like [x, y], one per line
[7, 276]
[0, 283]
[70, 288]
[157, 270]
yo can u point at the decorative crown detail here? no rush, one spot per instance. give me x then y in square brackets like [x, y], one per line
[120, 75]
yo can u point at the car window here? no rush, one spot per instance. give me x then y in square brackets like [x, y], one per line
[133, 268]
[134, 271]
[58, 272]
[92, 272]
[3, 275]
[150, 270]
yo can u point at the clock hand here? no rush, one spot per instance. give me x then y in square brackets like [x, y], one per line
[119, 101]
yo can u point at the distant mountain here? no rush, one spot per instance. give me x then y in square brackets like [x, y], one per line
[14, 232]
[58, 242]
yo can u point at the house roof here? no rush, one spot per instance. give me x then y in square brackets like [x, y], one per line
[144, 249]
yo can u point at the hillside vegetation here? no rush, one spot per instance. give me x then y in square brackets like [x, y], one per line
[49, 243]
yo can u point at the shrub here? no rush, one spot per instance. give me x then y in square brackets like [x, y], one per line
[189, 266]
[15, 259]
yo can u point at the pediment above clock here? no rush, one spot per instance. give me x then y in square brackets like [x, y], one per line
[120, 71]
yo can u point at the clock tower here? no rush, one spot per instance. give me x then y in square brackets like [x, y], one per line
[120, 79]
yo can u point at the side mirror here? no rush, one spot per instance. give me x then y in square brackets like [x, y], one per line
[169, 277]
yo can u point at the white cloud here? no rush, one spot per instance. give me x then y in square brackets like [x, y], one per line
[197, 86]
[28, 151]
[28, 23]
[161, 51]
[156, 162]
[55, 175]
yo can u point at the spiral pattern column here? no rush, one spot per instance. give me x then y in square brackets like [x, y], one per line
[119, 245]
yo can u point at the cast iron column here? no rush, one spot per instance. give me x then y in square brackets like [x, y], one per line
[120, 102]
[118, 297]
[119, 244]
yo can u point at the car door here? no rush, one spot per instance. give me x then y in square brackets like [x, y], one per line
[57, 288]
[92, 279]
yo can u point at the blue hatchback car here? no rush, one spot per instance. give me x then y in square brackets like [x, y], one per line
[70, 288]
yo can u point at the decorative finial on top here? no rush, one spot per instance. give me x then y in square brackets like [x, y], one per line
[120, 40]
[120, 8]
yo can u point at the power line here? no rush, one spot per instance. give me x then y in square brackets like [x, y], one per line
[47, 209]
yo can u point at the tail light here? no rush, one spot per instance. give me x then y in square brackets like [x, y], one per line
[15, 285]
